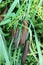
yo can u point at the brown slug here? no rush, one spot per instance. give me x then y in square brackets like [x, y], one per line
[4, 12]
[12, 33]
[24, 53]
[15, 36]
[1, 18]
[24, 33]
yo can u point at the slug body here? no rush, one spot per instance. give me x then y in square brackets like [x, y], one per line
[1, 18]
[4, 12]
[15, 36]
[25, 53]
[24, 33]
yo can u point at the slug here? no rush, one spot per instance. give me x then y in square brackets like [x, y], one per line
[4, 12]
[24, 53]
[24, 33]
[15, 36]
[12, 33]
[1, 18]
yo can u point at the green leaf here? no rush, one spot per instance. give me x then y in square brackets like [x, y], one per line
[4, 52]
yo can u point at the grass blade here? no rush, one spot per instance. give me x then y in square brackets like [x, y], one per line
[4, 51]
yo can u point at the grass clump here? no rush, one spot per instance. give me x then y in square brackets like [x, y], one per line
[26, 16]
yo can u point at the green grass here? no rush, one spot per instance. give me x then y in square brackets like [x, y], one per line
[19, 10]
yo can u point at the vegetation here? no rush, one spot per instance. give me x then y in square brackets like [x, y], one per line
[21, 32]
